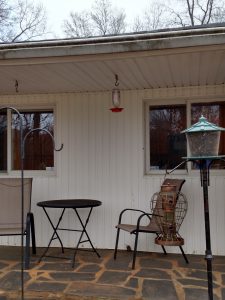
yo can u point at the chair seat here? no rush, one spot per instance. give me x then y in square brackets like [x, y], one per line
[132, 228]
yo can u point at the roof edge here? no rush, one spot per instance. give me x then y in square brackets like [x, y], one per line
[114, 44]
[157, 34]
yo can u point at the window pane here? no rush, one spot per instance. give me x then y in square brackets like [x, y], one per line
[38, 146]
[3, 141]
[167, 144]
[214, 112]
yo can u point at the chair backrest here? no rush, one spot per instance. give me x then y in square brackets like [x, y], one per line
[173, 185]
[10, 203]
[175, 182]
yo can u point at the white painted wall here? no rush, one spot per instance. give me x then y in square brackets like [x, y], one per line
[103, 158]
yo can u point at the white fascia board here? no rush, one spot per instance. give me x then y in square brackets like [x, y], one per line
[114, 44]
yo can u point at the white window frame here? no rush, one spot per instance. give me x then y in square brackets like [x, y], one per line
[16, 173]
[187, 102]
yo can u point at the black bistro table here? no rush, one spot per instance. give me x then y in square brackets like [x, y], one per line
[74, 204]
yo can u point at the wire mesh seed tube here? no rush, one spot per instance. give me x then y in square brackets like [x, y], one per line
[170, 209]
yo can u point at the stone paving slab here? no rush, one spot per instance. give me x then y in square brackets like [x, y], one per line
[12, 280]
[156, 276]
[159, 290]
[98, 290]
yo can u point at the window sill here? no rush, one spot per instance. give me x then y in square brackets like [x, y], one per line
[162, 172]
[193, 173]
[30, 173]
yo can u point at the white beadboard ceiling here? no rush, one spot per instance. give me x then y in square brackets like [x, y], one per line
[193, 65]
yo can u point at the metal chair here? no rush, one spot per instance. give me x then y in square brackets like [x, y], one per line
[10, 212]
[152, 227]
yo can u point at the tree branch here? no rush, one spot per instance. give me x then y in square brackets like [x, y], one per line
[191, 8]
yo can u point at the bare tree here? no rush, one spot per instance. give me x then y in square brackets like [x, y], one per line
[107, 20]
[4, 11]
[24, 21]
[101, 19]
[101, 16]
[155, 16]
[138, 24]
[180, 13]
[197, 12]
[79, 25]
[117, 23]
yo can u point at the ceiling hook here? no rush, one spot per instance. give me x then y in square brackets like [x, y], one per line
[16, 86]
[116, 80]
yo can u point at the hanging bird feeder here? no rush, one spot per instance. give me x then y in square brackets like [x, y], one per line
[116, 96]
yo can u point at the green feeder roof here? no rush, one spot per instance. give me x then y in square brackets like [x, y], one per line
[203, 125]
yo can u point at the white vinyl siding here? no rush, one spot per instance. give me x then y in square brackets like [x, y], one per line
[104, 158]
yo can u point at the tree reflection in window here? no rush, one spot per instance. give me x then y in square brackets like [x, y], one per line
[167, 145]
[39, 152]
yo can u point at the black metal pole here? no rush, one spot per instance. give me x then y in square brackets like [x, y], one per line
[208, 253]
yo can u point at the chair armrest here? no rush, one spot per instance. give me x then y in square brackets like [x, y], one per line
[129, 209]
[142, 216]
[145, 215]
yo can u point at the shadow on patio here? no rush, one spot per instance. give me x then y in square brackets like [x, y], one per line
[156, 276]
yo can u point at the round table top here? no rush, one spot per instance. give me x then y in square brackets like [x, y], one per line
[70, 203]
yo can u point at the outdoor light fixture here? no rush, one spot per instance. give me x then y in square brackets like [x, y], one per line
[23, 139]
[203, 139]
[116, 96]
[170, 208]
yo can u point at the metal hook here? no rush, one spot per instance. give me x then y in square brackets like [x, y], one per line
[40, 129]
[117, 80]
[16, 86]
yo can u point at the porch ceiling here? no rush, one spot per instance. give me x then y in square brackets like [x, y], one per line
[147, 69]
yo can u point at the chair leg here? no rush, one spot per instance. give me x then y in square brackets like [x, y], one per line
[27, 246]
[184, 255]
[33, 238]
[117, 241]
[135, 249]
[164, 250]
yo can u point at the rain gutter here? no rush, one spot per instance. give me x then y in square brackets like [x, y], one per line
[146, 41]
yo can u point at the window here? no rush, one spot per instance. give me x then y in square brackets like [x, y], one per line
[165, 144]
[39, 153]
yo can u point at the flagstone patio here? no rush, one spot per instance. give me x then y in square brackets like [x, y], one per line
[157, 276]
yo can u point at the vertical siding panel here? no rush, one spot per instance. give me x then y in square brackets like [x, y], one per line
[42, 226]
[188, 221]
[75, 141]
[198, 225]
[66, 164]
[106, 169]
[218, 215]
[213, 202]
[101, 172]
[136, 167]
[115, 176]
[92, 142]
[128, 197]
[71, 164]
